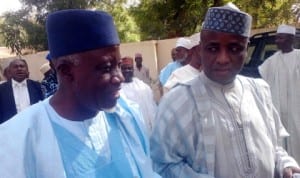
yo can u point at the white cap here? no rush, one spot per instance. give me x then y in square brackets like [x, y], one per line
[45, 68]
[195, 39]
[287, 29]
[183, 42]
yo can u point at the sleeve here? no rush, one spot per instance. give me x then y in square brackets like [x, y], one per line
[282, 159]
[169, 148]
[264, 68]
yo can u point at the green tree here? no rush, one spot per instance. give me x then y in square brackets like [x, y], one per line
[160, 19]
[13, 32]
[26, 28]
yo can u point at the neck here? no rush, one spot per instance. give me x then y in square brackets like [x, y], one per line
[139, 66]
[195, 64]
[66, 108]
[287, 50]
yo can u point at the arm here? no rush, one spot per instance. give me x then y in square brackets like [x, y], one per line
[171, 143]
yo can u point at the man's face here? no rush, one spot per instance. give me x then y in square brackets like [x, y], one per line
[222, 55]
[284, 41]
[97, 78]
[138, 61]
[18, 70]
[127, 71]
[181, 54]
[173, 54]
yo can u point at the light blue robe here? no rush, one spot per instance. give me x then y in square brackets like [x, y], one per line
[31, 148]
[167, 71]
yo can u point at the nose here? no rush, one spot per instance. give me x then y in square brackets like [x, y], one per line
[117, 76]
[223, 57]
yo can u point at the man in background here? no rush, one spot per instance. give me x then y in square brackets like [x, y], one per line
[138, 91]
[282, 72]
[19, 92]
[183, 45]
[189, 71]
[140, 71]
[49, 83]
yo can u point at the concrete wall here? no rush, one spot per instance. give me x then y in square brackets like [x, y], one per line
[156, 54]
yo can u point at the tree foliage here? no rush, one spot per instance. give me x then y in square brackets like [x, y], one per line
[159, 19]
[148, 20]
[26, 28]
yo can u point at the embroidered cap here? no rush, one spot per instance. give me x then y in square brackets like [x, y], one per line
[287, 29]
[78, 30]
[138, 55]
[127, 60]
[228, 19]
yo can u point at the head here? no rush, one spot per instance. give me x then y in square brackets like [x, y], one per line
[18, 70]
[6, 73]
[45, 69]
[224, 41]
[84, 47]
[183, 46]
[285, 37]
[127, 68]
[173, 54]
[138, 59]
[194, 51]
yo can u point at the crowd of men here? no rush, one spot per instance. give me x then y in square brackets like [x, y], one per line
[94, 115]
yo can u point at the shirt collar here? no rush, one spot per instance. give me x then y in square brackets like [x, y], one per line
[19, 84]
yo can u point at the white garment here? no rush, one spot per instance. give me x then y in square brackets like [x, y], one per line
[204, 129]
[282, 72]
[21, 94]
[141, 93]
[142, 74]
[30, 148]
[181, 75]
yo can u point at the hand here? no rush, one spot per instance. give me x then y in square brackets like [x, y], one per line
[289, 171]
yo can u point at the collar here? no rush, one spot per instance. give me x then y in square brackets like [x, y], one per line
[19, 84]
[216, 84]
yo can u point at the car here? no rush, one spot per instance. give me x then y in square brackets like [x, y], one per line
[261, 46]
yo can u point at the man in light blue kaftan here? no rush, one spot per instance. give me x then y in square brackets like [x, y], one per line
[85, 130]
[183, 45]
[220, 124]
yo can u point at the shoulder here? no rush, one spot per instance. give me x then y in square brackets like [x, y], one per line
[257, 81]
[179, 97]
[33, 82]
[27, 118]
[258, 86]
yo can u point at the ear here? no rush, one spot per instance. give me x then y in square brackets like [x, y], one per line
[64, 70]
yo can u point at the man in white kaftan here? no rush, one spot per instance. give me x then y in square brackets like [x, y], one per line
[141, 93]
[220, 124]
[136, 90]
[282, 72]
[202, 129]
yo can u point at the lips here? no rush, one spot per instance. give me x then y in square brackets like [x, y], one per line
[114, 92]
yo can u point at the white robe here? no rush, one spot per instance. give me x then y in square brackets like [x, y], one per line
[282, 72]
[181, 75]
[29, 146]
[205, 130]
[141, 93]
